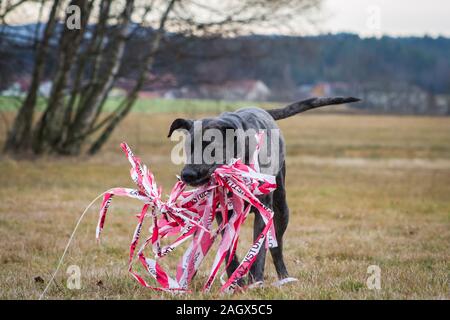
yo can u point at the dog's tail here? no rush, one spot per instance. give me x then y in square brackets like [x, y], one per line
[302, 106]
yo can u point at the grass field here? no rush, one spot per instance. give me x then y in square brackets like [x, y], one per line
[363, 190]
[191, 107]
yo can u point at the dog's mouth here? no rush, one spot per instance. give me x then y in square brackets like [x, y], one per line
[199, 182]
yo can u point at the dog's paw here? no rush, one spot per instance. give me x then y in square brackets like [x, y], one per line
[284, 281]
[256, 285]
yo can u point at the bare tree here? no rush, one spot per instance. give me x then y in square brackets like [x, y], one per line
[49, 129]
[128, 102]
[89, 60]
[20, 135]
[7, 7]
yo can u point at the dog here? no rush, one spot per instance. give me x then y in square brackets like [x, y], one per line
[256, 119]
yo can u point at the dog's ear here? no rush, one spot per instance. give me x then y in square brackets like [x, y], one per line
[179, 124]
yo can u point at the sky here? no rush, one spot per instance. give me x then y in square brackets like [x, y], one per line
[392, 17]
[364, 17]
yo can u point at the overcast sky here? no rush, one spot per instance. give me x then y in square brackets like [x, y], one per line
[393, 17]
[363, 17]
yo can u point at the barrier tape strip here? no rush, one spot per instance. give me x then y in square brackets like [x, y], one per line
[190, 214]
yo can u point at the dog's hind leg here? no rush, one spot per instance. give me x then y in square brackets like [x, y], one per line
[257, 269]
[281, 219]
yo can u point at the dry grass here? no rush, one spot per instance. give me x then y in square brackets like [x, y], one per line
[350, 208]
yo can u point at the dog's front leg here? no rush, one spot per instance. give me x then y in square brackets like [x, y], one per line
[235, 260]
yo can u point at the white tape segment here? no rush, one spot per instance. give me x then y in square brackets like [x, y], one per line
[189, 215]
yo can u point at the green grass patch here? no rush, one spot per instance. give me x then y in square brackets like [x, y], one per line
[190, 106]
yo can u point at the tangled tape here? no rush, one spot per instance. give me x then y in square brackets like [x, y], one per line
[189, 214]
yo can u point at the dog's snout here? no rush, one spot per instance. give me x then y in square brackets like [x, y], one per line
[189, 175]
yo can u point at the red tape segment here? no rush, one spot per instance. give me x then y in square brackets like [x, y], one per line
[190, 214]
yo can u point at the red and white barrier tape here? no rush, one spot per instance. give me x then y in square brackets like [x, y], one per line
[189, 214]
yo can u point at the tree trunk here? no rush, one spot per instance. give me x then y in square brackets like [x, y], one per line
[20, 134]
[95, 48]
[131, 97]
[100, 86]
[50, 127]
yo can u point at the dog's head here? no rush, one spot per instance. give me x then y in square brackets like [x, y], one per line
[206, 146]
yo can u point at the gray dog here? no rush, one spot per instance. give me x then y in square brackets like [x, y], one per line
[196, 174]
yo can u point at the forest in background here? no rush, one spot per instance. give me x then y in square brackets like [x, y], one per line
[393, 74]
